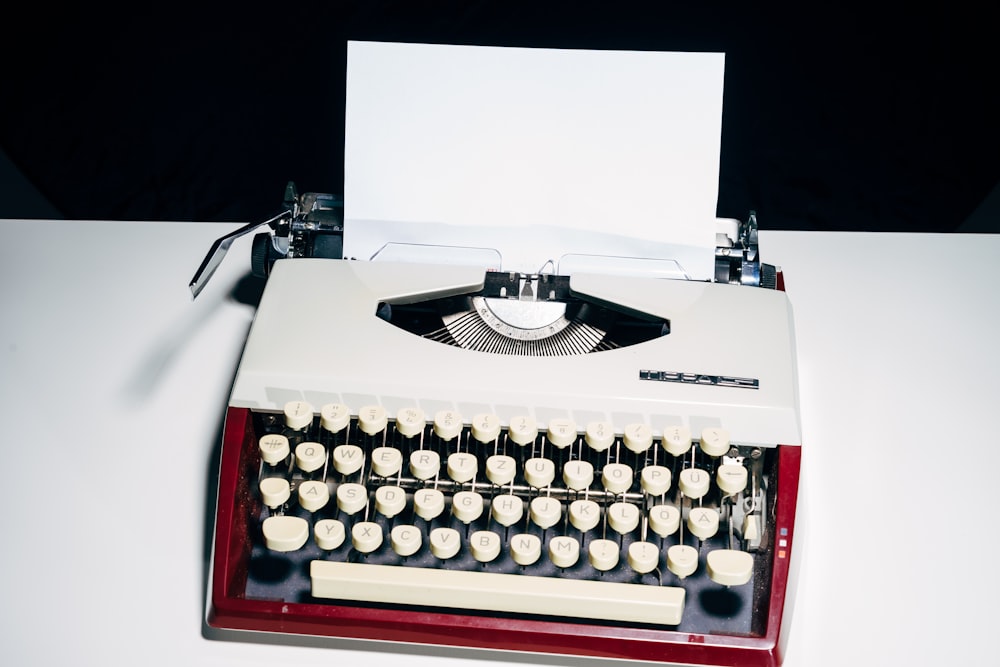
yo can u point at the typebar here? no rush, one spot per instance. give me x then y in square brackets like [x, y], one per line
[489, 591]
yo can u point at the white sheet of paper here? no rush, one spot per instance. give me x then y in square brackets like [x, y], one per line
[533, 153]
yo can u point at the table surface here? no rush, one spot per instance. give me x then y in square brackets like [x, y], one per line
[113, 383]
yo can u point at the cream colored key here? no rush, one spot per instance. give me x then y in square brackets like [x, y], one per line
[424, 464]
[329, 534]
[525, 549]
[507, 509]
[544, 511]
[386, 461]
[623, 517]
[682, 560]
[637, 437]
[485, 427]
[703, 522]
[467, 506]
[617, 477]
[372, 419]
[643, 557]
[522, 430]
[410, 422]
[494, 592]
[539, 473]
[313, 495]
[599, 435]
[298, 414]
[578, 475]
[285, 533]
[462, 467]
[603, 554]
[501, 469]
[715, 441]
[729, 567]
[310, 456]
[694, 482]
[584, 514]
[390, 500]
[655, 480]
[564, 551]
[428, 503]
[445, 542]
[348, 459]
[351, 498]
[274, 491]
[676, 440]
[484, 545]
[561, 432]
[366, 536]
[405, 540]
[334, 417]
[447, 424]
[273, 448]
[664, 520]
[731, 478]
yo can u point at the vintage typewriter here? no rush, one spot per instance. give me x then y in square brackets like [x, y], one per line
[592, 465]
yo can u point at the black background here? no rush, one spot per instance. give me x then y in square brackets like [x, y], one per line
[834, 118]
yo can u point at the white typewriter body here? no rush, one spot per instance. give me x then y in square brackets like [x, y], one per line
[317, 338]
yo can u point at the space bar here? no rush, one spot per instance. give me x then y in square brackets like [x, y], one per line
[488, 591]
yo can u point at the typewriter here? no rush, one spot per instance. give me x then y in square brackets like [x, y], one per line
[438, 454]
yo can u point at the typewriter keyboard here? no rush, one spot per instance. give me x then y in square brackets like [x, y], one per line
[579, 522]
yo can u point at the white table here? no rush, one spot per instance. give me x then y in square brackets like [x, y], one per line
[113, 383]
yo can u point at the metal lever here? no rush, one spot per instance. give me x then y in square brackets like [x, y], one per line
[219, 249]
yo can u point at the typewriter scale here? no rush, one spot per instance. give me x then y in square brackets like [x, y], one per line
[589, 465]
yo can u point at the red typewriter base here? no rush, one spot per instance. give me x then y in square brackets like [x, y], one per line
[229, 609]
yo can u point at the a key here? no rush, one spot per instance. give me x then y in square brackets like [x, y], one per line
[428, 503]
[372, 419]
[405, 540]
[348, 459]
[507, 509]
[729, 567]
[584, 514]
[284, 532]
[703, 522]
[564, 551]
[310, 456]
[484, 545]
[366, 536]
[544, 511]
[467, 506]
[329, 534]
[525, 549]
[390, 500]
[445, 542]
[410, 422]
[386, 461]
[313, 495]
[603, 554]
[273, 448]
[539, 473]
[351, 498]
[298, 414]
[334, 417]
